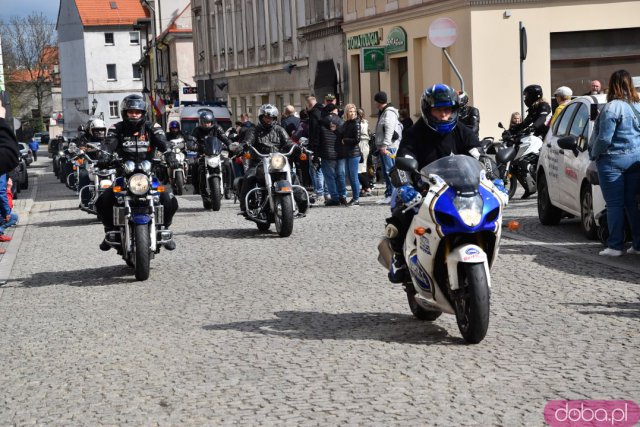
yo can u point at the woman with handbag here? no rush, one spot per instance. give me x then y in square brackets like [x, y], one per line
[615, 146]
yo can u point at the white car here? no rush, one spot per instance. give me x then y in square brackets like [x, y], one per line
[562, 178]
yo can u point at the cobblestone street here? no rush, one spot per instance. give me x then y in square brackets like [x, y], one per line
[237, 326]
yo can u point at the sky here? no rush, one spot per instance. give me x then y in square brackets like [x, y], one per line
[26, 7]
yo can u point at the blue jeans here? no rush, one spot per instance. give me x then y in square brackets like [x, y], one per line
[387, 162]
[333, 171]
[317, 179]
[12, 221]
[620, 188]
[352, 173]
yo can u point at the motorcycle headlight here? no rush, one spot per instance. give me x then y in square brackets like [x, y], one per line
[180, 157]
[277, 161]
[145, 165]
[139, 184]
[213, 161]
[469, 209]
[129, 167]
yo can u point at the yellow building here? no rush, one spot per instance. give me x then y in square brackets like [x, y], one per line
[569, 44]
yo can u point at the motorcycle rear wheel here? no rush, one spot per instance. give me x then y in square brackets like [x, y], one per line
[216, 194]
[142, 251]
[513, 184]
[472, 305]
[263, 226]
[284, 215]
[419, 312]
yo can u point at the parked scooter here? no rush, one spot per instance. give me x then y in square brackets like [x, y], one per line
[452, 242]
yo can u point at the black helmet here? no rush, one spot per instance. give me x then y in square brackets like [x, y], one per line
[464, 98]
[531, 94]
[133, 102]
[267, 110]
[206, 117]
[437, 96]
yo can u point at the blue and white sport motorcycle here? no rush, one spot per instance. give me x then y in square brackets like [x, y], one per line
[452, 243]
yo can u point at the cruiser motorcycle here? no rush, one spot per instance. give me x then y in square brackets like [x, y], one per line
[137, 215]
[101, 179]
[452, 242]
[213, 149]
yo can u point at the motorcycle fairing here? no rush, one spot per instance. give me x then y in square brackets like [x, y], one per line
[445, 214]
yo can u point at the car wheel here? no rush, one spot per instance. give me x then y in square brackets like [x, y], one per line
[547, 213]
[587, 220]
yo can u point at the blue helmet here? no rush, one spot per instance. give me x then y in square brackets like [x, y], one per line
[437, 96]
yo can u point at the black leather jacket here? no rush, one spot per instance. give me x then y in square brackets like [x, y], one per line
[135, 143]
[470, 116]
[267, 140]
[536, 119]
[200, 134]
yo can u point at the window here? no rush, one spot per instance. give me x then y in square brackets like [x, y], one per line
[136, 72]
[565, 119]
[134, 37]
[113, 5]
[108, 39]
[113, 109]
[580, 122]
[111, 72]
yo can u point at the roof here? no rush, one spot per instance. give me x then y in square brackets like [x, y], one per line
[178, 25]
[48, 59]
[95, 13]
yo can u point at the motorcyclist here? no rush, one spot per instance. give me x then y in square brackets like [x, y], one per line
[266, 137]
[207, 126]
[135, 138]
[90, 142]
[435, 135]
[538, 111]
[174, 130]
[468, 115]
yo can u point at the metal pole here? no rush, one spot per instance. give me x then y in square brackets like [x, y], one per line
[521, 74]
[455, 69]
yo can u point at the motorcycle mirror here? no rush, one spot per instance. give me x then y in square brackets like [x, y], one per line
[500, 125]
[407, 164]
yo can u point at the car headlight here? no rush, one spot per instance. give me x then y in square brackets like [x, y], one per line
[145, 165]
[139, 184]
[469, 209]
[277, 161]
[129, 167]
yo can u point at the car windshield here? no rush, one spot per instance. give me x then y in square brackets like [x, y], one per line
[462, 173]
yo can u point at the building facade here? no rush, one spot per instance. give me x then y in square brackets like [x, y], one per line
[98, 49]
[252, 52]
[569, 43]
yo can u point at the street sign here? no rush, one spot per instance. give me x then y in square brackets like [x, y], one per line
[189, 90]
[397, 40]
[443, 32]
[373, 59]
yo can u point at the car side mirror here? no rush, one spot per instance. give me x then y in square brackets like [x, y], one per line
[569, 143]
[407, 164]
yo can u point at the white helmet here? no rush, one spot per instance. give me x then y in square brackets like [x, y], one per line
[97, 128]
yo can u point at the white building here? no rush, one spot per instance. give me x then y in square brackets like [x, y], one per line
[98, 48]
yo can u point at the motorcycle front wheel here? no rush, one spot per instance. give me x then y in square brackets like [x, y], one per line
[216, 194]
[178, 184]
[472, 303]
[284, 215]
[142, 251]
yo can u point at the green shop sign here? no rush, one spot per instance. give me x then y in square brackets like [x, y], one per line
[373, 59]
[397, 40]
[363, 40]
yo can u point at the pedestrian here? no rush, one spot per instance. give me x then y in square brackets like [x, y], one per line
[303, 166]
[329, 99]
[6, 216]
[9, 151]
[363, 171]
[563, 97]
[289, 120]
[333, 167]
[388, 136]
[615, 146]
[348, 147]
[314, 110]
[13, 216]
[596, 88]
[405, 119]
[34, 146]
[516, 119]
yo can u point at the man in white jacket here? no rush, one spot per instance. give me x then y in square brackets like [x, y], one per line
[388, 136]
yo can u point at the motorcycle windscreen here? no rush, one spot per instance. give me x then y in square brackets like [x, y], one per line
[212, 146]
[506, 155]
[461, 173]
